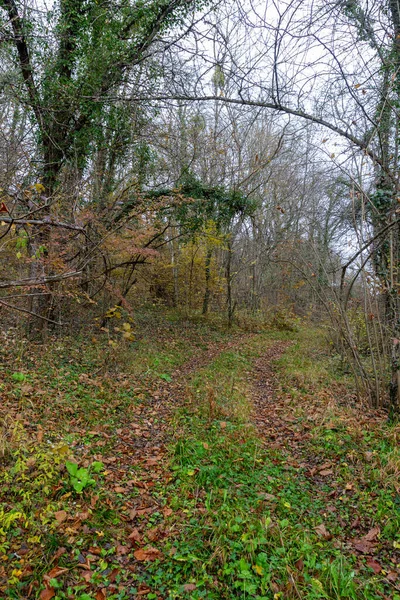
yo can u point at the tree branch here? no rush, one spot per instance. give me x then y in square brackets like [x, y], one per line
[40, 222]
[360, 143]
[36, 282]
[29, 312]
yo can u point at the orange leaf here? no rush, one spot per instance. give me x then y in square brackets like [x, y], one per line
[47, 594]
[144, 554]
[39, 435]
[55, 572]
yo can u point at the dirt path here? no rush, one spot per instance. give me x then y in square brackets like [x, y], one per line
[271, 413]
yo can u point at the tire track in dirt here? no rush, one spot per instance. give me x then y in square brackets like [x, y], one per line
[271, 413]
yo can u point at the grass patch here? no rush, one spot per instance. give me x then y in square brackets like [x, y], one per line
[262, 522]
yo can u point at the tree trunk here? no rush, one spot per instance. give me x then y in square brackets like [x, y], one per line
[228, 274]
[206, 299]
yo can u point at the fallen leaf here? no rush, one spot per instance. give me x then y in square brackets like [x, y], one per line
[39, 436]
[299, 564]
[374, 565]
[47, 594]
[60, 516]
[363, 546]
[144, 554]
[322, 531]
[93, 501]
[222, 424]
[154, 534]
[326, 472]
[101, 595]
[119, 489]
[189, 587]
[55, 572]
[326, 465]
[269, 497]
[59, 553]
[135, 535]
[372, 534]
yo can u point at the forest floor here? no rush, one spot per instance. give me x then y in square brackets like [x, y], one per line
[193, 463]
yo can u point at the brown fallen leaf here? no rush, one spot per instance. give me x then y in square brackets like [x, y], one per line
[145, 554]
[54, 573]
[299, 564]
[60, 516]
[101, 595]
[392, 576]
[135, 535]
[47, 593]
[167, 512]
[189, 587]
[372, 534]
[322, 531]
[363, 546]
[374, 565]
[222, 424]
[326, 472]
[119, 489]
[143, 589]
[326, 465]
[269, 497]
[39, 437]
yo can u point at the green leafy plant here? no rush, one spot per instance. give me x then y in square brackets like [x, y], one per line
[18, 377]
[80, 477]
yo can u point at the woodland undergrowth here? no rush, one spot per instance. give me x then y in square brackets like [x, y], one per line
[189, 461]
